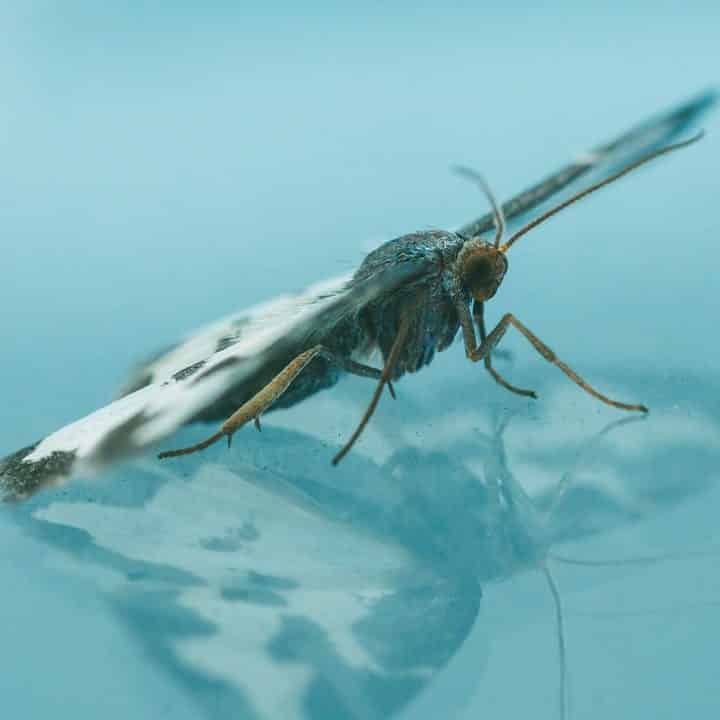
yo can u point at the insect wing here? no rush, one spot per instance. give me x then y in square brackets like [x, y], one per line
[249, 330]
[180, 392]
[155, 390]
[600, 162]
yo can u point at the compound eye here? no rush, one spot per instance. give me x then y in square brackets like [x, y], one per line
[480, 273]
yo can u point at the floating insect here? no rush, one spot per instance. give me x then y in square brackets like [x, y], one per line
[408, 299]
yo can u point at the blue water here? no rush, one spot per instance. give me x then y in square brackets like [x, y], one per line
[163, 167]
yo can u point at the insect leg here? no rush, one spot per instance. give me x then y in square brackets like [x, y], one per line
[384, 379]
[356, 368]
[262, 400]
[479, 315]
[480, 352]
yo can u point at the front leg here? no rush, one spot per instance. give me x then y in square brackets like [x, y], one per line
[479, 352]
[479, 315]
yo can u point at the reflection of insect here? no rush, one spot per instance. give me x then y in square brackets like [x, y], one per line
[527, 526]
[408, 300]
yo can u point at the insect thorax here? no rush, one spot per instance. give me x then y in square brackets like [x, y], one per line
[433, 318]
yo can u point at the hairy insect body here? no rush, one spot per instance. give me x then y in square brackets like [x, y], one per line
[361, 336]
[427, 307]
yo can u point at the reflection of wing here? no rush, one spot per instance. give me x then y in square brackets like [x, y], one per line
[602, 160]
[186, 382]
[264, 585]
[256, 605]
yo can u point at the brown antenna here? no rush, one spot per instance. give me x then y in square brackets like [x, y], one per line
[583, 193]
[497, 212]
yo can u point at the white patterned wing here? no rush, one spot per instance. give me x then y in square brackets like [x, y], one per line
[248, 331]
[166, 392]
[177, 393]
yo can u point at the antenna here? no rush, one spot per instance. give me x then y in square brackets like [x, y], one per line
[498, 215]
[602, 183]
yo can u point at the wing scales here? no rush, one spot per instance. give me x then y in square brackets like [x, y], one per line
[249, 330]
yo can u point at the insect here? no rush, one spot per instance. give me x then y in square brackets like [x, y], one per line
[408, 300]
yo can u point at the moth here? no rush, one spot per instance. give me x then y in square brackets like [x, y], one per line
[409, 299]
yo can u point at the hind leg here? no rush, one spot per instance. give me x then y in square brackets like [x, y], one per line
[262, 400]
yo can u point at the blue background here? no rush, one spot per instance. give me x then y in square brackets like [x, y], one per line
[165, 165]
